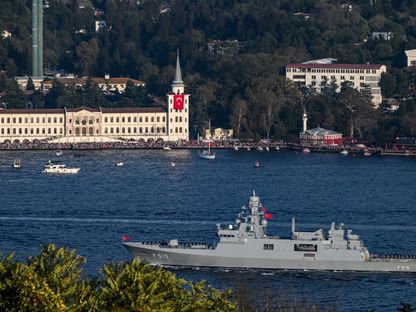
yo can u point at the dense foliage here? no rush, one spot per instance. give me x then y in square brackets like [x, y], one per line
[232, 53]
[52, 281]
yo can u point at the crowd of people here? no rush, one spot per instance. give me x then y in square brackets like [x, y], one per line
[196, 144]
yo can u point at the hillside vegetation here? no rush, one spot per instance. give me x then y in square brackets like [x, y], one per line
[232, 52]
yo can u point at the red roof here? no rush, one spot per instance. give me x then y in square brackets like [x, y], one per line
[104, 110]
[134, 110]
[32, 111]
[335, 66]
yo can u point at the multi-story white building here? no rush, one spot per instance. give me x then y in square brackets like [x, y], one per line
[86, 124]
[359, 75]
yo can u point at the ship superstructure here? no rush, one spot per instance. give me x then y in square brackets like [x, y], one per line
[245, 244]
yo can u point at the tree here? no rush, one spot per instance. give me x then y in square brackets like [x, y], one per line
[30, 85]
[239, 111]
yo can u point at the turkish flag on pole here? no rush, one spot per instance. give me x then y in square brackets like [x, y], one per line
[178, 100]
[268, 215]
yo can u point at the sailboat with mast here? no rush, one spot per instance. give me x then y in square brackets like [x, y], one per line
[208, 154]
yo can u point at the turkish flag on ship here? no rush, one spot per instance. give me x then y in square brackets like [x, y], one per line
[268, 215]
[178, 100]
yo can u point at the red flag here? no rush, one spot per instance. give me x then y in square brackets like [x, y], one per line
[125, 238]
[263, 209]
[268, 215]
[178, 100]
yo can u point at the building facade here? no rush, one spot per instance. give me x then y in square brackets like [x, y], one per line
[359, 75]
[84, 124]
[411, 57]
[320, 137]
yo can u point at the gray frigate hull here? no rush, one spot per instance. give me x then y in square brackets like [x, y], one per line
[210, 258]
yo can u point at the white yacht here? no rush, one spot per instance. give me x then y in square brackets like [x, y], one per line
[167, 148]
[344, 152]
[59, 168]
[16, 163]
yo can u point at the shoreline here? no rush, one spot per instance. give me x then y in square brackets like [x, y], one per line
[194, 145]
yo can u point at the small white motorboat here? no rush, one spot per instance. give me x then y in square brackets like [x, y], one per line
[267, 148]
[58, 153]
[59, 168]
[248, 148]
[16, 163]
[235, 148]
[344, 153]
[367, 153]
[256, 164]
[306, 150]
[166, 148]
[119, 164]
[277, 148]
[172, 164]
[259, 149]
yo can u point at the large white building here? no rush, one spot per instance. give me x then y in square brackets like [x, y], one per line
[359, 75]
[86, 124]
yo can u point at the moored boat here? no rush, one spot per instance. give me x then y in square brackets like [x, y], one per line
[16, 163]
[207, 154]
[306, 150]
[59, 153]
[256, 164]
[245, 244]
[344, 152]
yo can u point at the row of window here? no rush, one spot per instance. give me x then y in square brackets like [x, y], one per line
[60, 131]
[329, 71]
[133, 119]
[334, 78]
[177, 110]
[32, 120]
[32, 131]
[84, 120]
[142, 130]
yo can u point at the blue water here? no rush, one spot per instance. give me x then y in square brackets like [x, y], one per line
[147, 198]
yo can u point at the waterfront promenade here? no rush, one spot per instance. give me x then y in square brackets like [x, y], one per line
[194, 144]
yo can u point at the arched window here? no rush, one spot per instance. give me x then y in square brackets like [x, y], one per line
[146, 130]
[176, 130]
[180, 119]
[111, 130]
[180, 129]
[176, 119]
[140, 130]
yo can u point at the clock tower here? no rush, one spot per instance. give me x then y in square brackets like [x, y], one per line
[178, 107]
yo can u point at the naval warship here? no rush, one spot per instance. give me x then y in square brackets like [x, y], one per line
[245, 244]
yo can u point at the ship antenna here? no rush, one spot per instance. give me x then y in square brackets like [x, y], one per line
[254, 193]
